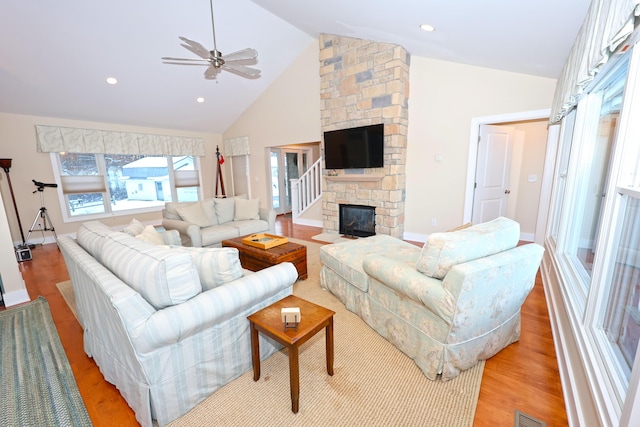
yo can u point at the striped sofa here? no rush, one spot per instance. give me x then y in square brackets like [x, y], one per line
[163, 325]
[448, 305]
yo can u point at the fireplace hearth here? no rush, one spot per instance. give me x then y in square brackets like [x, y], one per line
[357, 220]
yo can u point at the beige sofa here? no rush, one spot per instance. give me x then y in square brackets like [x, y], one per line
[208, 222]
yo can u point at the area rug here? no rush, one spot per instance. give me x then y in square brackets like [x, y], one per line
[374, 383]
[37, 387]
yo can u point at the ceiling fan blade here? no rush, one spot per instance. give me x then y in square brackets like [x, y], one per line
[168, 58]
[189, 48]
[185, 63]
[195, 47]
[241, 69]
[211, 72]
[241, 55]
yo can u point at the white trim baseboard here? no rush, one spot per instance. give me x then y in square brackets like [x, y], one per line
[309, 222]
[16, 297]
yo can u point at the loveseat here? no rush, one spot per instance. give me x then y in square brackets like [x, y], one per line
[167, 325]
[208, 222]
[448, 305]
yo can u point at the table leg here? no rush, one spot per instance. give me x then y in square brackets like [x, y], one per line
[255, 351]
[294, 378]
[329, 345]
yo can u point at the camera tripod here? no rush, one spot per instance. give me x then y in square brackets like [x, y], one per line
[42, 212]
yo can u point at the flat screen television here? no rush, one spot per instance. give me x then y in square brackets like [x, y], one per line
[354, 148]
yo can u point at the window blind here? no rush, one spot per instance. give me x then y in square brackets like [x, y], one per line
[607, 25]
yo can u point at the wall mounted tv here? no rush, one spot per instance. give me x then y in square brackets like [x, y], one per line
[354, 148]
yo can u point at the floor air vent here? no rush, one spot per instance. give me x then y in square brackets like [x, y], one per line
[524, 420]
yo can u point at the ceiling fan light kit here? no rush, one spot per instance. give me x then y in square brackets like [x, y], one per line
[214, 59]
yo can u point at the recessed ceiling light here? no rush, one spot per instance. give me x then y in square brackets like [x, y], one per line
[112, 80]
[200, 99]
[427, 27]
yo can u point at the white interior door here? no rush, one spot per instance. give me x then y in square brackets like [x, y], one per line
[491, 194]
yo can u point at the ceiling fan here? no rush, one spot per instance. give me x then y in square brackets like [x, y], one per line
[214, 59]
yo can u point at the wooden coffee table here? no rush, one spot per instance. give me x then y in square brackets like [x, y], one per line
[255, 259]
[269, 322]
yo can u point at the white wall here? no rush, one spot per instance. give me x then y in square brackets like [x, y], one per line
[15, 290]
[287, 113]
[444, 98]
[531, 163]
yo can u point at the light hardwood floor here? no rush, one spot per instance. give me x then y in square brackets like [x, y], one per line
[523, 376]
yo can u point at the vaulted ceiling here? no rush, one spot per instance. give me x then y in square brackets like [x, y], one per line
[55, 56]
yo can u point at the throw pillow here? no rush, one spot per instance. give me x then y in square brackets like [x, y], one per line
[247, 209]
[444, 250]
[225, 209]
[170, 211]
[134, 228]
[216, 266]
[208, 206]
[162, 276]
[151, 235]
[194, 214]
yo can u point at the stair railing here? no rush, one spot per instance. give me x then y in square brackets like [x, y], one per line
[306, 190]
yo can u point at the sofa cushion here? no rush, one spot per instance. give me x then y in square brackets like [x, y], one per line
[217, 233]
[444, 250]
[90, 236]
[194, 214]
[225, 209]
[150, 235]
[346, 258]
[134, 228]
[209, 208]
[170, 211]
[216, 266]
[246, 209]
[250, 226]
[163, 277]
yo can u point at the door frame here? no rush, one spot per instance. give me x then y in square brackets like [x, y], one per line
[548, 163]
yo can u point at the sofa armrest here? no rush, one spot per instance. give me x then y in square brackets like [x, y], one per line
[406, 280]
[269, 215]
[490, 291]
[240, 297]
[189, 233]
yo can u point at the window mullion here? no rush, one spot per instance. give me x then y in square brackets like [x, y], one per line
[106, 196]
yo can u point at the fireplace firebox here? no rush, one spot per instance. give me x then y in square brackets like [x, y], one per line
[357, 220]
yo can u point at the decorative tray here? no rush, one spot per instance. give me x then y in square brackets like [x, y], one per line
[264, 240]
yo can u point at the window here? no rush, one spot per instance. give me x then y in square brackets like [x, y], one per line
[591, 167]
[99, 185]
[561, 172]
[620, 321]
[595, 225]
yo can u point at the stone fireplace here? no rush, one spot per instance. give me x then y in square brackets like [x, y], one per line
[364, 83]
[357, 220]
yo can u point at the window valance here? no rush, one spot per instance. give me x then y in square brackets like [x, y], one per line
[74, 140]
[607, 25]
[236, 146]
